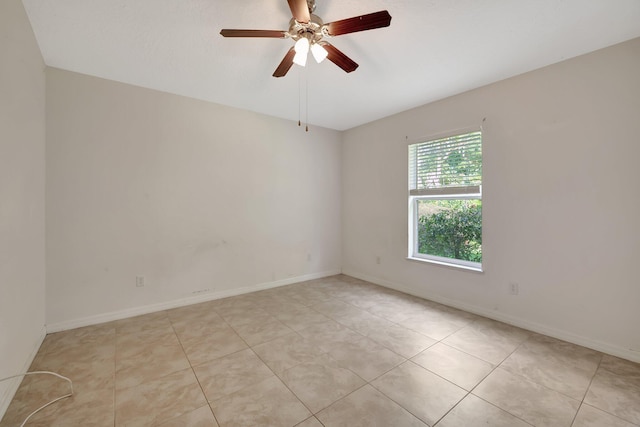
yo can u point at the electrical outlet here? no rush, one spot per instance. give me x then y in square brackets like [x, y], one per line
[378, 260]
[514, 289]
[139, 281]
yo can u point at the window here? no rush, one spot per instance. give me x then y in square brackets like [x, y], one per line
[445, 200]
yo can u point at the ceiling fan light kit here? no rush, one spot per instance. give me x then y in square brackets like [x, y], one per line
[302, 50]
[319, 53]
[308, 32]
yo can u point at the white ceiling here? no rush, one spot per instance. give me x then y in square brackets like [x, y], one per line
[433, 49]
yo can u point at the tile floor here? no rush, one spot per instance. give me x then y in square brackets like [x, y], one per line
[329, 352]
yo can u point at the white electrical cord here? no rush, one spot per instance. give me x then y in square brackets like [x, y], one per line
[53, 401]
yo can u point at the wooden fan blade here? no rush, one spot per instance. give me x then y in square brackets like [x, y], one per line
[300, 10]
[339, 58]
[359, 23]
[254, 33]
[286, 64]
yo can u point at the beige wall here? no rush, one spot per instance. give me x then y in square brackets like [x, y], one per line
[22, 152]
[561, 200]
[201, 199]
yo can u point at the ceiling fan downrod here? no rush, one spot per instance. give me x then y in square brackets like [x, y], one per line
[312, 5]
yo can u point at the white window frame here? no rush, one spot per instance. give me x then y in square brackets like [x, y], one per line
[455, 193]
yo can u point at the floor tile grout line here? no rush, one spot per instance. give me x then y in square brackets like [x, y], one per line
[249, 347]
[409, 359]
[535, 382]
[431, 372]
[381, 344]
[468, 392]
[582, 402]
[397, 403]
[446, 379]
[499, 365]
[418, 332]
[143, 382]
[593, 377]
[495, 366]
[115, 366]
[286, 385]
[608, 413]
[451, 409]
[194, 372]
[406, 360]
[504, 410]
[342, 366]
[525, 378]
[441, 341]
[313, 414]
[324, 353]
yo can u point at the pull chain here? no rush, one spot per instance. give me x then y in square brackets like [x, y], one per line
[299, 94]
[306, 99]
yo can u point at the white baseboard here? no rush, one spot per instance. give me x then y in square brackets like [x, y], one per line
[560, 334]
[209, 296]
[13, 384]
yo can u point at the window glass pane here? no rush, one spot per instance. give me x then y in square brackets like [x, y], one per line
[450, 228]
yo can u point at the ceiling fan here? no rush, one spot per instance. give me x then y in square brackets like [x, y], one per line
[308, 31]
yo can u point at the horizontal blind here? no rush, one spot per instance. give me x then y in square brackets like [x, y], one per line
[451, 165]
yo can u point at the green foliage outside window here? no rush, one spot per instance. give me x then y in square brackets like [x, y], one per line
[450, 229]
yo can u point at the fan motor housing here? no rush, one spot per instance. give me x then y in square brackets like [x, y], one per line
[312, 30]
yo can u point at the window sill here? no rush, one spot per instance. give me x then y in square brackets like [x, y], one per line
[448, 264]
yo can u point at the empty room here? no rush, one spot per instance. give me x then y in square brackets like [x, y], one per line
[316, 213]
